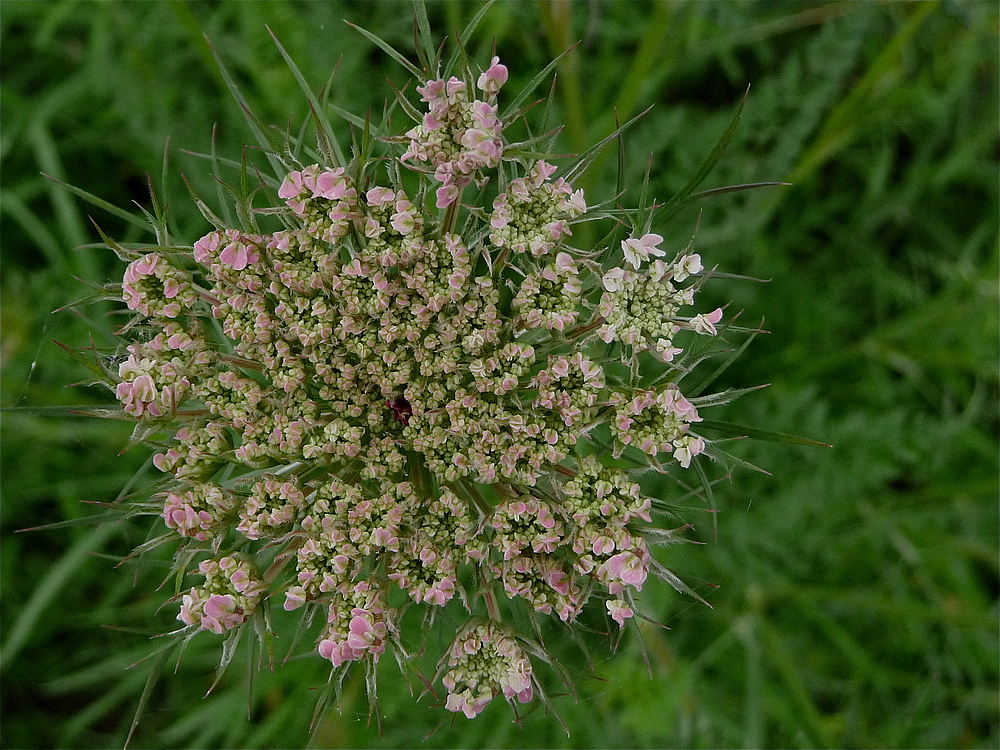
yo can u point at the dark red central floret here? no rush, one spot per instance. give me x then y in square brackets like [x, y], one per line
[401, 410]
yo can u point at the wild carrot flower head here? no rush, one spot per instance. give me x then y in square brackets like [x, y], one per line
[394, 396]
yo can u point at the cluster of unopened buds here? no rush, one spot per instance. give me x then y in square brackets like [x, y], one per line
[397, 399]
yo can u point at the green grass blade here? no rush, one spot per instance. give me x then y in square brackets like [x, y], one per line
[89, 520]
[389, 50]
[116, 247]
[259, 130]
[68, 218]
[60, 576]
[322, 121]
[674, 580]
[709, 495]
[229, 648]
[424, 37]
[726, 396]
[649, 57]
[48, 411]
[165, 187]
[470, 28]
[204, 209]
[789, 670]
[842, 122]
[728, 460]
[753, 705]
[36, 229]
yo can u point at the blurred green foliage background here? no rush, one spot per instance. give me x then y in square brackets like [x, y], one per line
[854, 590]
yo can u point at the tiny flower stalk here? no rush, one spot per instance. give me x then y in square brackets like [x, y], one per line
[381, 417]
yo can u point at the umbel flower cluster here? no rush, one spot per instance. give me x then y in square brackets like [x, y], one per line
[415, 389]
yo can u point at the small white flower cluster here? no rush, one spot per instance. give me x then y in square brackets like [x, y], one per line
[482, 662]
[272, 508]
[325, 200]
[534, 214]
[356, 627]
[550, 297]
[227, 599]
[155, 288]
[156, 376]
[457, 136]
[640, 309]
[658, 422]
[385, 402]
[202, 511]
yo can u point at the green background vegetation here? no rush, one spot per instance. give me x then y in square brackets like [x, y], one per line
[854, 590]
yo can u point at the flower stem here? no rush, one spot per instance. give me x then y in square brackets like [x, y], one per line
[584, 329]
[451, 215]
[492, 608]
